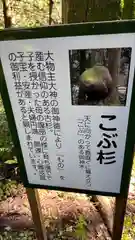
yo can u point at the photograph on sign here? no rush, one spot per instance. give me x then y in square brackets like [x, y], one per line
[63, 144]
[92, 78]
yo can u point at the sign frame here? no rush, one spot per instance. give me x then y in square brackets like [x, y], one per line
[68, 30]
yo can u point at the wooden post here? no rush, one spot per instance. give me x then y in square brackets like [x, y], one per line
[35, 206]
[119, 214]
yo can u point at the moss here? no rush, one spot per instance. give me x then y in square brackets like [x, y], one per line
[10, 189]
[129, 228]
[25, 235]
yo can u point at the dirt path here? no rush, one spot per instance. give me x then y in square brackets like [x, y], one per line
[61, 212]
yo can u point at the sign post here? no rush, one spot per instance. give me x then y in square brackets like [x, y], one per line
[35, 206]
[120, 209]
[68, 92]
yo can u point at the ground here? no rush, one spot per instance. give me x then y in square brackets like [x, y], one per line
[62, 212]
[68, 216]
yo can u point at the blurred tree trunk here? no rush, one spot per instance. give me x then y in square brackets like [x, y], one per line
[128, 9]
[104, 10]
[50, 11]
[91, 10]
[7, 19]
[77, 10]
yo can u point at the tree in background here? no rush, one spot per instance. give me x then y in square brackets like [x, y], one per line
[128, 8]
[7, 18]
[96, 10]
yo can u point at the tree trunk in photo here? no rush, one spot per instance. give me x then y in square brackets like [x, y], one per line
[93, 57]
[114, 63]
[82, 61]
[114, 66]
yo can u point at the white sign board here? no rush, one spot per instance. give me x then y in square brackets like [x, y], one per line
[65, 144]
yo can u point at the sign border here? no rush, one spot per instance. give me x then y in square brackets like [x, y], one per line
[69, 30]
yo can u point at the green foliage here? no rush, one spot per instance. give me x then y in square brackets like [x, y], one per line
[10, 188]
[128, 222]
[129, 228]
[1, 194]
[12, 161]
[5, 154]
[32, 13]
[133, 168]
[5, 136]
[1, 16]
[25, 235]
[80, 229]
[127, 9]
[6, 145]
[122, 4]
